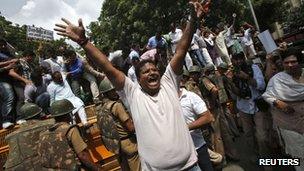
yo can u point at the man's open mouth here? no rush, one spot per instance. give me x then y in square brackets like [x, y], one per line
[153, 81]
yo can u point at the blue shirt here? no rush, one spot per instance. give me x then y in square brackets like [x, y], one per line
[249, 106]
[76, 68]
[3, 56]
[153, 42]
[133, 53]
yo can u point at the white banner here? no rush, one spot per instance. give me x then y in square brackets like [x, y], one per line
[267, 41]
[39, 33]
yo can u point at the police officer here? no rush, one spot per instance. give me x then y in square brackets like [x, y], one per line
[23, 154]
[61, 146]
[224, 118]
[123, 126]
[193, 83]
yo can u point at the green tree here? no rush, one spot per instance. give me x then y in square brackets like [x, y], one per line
[123, 22]
[293, 19]
[16, 36]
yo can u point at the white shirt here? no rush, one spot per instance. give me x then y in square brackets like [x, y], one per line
[283, 87]
[133, 53]
[249, 106]
[221, 44]
[193, 106]
[229, 37]
[64, 91]
[56, 64]
[247, 37]
[175, 37]
[164, 141]
[132, 75]
[209, 40]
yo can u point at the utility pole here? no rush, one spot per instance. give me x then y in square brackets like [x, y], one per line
[253, 15]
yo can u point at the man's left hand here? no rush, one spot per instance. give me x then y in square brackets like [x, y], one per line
[243, 75]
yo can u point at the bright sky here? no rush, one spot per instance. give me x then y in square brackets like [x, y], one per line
[45, 13]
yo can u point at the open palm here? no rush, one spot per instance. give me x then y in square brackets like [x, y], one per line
[75, 33]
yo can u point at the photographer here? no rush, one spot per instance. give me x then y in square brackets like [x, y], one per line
[247, 82]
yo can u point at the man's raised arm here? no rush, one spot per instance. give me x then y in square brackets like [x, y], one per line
[183, 45]
[77, 34]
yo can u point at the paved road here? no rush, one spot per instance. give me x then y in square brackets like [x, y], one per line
[246, 163]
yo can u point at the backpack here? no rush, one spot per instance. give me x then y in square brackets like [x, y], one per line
[23, 154]
[55, 150]
[108, 129]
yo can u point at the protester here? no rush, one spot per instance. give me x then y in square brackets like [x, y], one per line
[165, 123]
[131, 71]
[209, 39]
[6, 93]
[220, 43]
[60, 89]
[196, 115]
[247, 31]
[56, 62]
[76, 75]
[37, 92]
[157, 40]
[285, 94]
[134, 52]
[175, 35]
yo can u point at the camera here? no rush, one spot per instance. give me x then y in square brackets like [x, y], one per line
[245, 92]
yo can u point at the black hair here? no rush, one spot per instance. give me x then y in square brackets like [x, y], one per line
[292, 51]
[36, 76]
[29, 52]
[54, 73]
[240, 55]
[50, 51]
[141, 64]
[68, 53]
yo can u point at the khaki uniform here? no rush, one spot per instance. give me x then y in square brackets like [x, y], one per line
[59, 145]
[193, 87]
[224, 126]
[128, 142]
[76, 140]
[23, 154]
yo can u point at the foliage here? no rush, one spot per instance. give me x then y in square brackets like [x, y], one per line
[293, 19]
[16, 36]
[268, 12]
[123, 22]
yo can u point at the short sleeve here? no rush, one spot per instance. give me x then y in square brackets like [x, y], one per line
[208, 84]
[258, 76]
[75, 138]
[170, 77]
[199, 106]
[129, 88]
[120, 112]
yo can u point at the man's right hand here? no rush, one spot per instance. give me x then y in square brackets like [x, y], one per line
[11, 66]
[229, 74]
[75, 33]
[284, 107]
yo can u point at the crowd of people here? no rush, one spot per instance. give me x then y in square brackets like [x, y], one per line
[185, 98]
